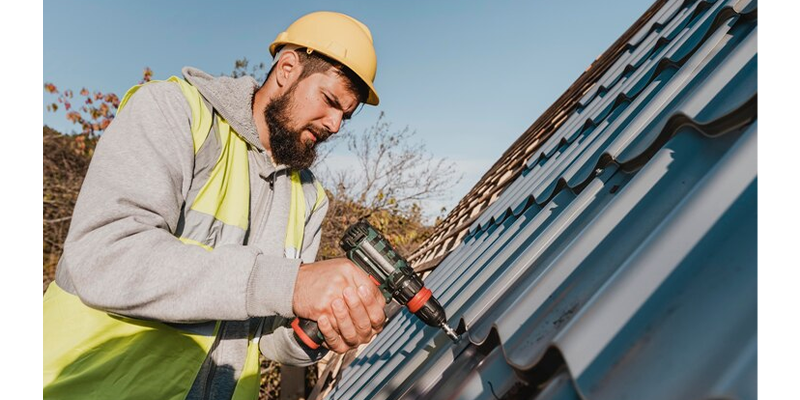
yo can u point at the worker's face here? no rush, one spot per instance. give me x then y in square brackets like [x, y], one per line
[307, 114]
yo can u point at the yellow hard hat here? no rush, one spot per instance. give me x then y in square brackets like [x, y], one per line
[338, 36]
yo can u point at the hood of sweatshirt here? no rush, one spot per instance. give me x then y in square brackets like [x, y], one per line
[232, 98]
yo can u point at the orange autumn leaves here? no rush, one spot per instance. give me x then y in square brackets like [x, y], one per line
[96, 109]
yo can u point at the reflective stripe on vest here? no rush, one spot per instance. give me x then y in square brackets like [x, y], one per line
[117, 357]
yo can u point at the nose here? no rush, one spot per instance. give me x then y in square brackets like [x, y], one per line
[333, 121]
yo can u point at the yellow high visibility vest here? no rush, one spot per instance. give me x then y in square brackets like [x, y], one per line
[95, 354]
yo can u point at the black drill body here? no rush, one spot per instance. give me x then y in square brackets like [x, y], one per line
[371, 252]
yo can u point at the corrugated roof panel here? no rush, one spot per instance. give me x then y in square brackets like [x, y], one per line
[661, 248]
[603, 96]
[543, 184]
[634, 67]
[488, 188]
[659, 20]
[625, 64]
[639, 76]
[622, 264]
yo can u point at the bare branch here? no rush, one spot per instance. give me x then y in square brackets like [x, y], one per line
[52, 221]
[395, 170]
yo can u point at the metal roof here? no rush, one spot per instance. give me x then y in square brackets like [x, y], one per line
[448, 234]
[621, 263]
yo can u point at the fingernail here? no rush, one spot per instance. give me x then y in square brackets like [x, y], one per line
[322, 320]
[363, 290]
[349, 292]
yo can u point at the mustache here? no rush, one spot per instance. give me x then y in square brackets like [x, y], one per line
[322, 134]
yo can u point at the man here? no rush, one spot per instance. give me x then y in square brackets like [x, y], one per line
[193, 240]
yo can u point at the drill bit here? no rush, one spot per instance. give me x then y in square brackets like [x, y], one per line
[449, 332]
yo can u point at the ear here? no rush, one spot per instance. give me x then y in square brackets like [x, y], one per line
[288, 69]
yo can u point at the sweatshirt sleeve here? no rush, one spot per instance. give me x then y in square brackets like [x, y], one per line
[278, 342]
[120, 255]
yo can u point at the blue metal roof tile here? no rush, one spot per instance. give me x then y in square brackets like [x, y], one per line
[660, 19]
[547, 180]
[621, 262]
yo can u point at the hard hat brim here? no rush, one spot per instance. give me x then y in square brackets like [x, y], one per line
[372, 97]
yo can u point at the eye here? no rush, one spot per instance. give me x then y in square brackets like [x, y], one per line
[328, 100]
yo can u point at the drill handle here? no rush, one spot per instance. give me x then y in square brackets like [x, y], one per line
[308, 333]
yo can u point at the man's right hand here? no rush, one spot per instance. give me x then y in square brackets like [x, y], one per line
[346, 304]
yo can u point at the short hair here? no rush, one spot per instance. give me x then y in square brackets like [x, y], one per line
[315, 62]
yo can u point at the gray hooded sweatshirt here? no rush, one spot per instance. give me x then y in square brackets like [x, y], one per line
[120, 254]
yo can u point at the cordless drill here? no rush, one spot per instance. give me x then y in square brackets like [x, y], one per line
[369, 250]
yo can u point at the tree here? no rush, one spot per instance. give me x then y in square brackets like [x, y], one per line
[66, 160]
[395, 174]
[97, 111]
[257, 71]
[396, 171]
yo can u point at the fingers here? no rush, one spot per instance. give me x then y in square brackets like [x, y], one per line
[373, 307]
[332, 338]
[358, 317]
[371, 297]
[346, 304]
[347, 329]
[358, 314]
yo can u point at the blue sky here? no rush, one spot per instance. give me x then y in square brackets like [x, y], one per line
[469, 77]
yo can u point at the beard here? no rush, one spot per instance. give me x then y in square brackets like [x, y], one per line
[287, 147]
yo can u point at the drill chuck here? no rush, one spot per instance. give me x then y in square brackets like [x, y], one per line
[431, 313]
